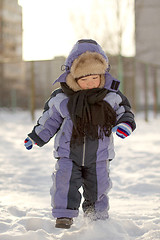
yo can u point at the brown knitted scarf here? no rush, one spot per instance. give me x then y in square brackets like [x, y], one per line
[91, 115]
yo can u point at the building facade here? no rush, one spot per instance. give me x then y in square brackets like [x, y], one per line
[10, 30]
[147, 31]
[147, 35]
[11, 66]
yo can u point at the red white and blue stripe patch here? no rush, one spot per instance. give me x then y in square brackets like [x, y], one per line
[124, 130]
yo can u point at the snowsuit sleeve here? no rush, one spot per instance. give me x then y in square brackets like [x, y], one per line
[48, 124]
[123, 111]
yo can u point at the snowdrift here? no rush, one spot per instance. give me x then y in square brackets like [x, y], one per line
[25, 181]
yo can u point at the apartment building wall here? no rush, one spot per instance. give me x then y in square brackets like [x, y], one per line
[147, 38]
[10, 30]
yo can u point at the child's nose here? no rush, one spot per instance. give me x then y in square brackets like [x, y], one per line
[90, 86]
[90, 83]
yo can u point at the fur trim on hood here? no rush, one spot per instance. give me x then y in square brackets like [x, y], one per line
[88, 63]
[87, 58]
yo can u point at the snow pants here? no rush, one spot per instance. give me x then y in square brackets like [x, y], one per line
[67, 180]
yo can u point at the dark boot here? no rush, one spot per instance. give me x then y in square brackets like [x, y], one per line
[64, 223]
[94, 216]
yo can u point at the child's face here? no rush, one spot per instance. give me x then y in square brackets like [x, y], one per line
[89, 82]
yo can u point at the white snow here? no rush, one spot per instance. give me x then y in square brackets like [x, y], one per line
[25, 181]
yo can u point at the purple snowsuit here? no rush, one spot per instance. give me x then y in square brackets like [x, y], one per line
[85, 165]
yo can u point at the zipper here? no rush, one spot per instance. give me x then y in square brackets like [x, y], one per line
[84, 151]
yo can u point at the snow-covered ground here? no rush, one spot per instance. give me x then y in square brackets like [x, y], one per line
[25, 182]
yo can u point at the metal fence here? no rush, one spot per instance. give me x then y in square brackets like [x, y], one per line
[147, 88]
[28, 85]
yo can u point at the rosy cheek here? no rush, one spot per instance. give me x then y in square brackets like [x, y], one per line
[99, 82]
[83, 86]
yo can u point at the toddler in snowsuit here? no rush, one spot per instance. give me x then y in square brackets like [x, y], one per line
[82, 114]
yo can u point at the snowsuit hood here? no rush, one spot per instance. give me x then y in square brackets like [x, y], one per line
[87, 58]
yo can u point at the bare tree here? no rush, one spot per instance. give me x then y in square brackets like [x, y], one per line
[106, 22]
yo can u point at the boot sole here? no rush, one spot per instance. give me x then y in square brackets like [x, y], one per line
[62, 226]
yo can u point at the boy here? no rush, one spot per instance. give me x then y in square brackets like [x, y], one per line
[82, 114]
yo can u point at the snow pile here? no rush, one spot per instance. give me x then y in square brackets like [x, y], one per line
[25, 182]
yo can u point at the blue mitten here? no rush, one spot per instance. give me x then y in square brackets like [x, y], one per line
[28, 143]
[123, 130]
